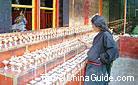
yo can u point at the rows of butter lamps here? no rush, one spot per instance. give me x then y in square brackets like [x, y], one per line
[33, 59]
[30, 37]
[61, 74]
[88, 38]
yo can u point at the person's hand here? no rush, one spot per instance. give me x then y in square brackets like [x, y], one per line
[87, 44]
[81, 41]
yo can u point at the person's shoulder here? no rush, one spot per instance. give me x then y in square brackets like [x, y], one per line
[107, 34]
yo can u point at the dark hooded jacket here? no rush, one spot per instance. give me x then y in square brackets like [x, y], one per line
[104, 49]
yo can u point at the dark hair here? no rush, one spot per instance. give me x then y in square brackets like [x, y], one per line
[94, 18]
[99, 21]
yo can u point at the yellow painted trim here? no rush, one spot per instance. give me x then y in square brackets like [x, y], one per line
[54, 13]
[46, 8]
[22, 6]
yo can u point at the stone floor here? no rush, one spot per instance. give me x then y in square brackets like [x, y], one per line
[125, 67]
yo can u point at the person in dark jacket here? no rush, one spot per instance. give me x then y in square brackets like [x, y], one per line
[101, 55]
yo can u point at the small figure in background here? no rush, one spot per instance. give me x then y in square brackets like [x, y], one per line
[20, 23]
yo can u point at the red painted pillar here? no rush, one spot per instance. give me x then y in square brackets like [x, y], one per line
[100, 7]
[36, 15]
[57, 13]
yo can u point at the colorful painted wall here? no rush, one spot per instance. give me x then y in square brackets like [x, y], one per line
[80, 11]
